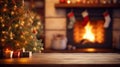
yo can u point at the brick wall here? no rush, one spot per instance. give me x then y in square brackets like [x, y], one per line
[55, 21]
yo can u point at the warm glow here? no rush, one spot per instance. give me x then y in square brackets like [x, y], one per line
[7, 50]
[78, 0]
[90, 49]
[11, 38]
[22, 23]
[3, 32]
[68, 1]
[4, 9]
[17, 44]
[26, 42]
[22, 36]
[88, 33]
[23, 60]
[2, 40]
[16, 25]
[92, 32]
[39, 23]
[3, 25]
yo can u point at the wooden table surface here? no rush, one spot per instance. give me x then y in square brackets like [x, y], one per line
[66, 58]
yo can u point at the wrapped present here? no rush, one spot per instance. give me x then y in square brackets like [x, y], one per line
[26, 54]
[16, 54]
[8, 53]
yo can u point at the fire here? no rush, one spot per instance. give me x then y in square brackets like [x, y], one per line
[88, 33]
[93, 32]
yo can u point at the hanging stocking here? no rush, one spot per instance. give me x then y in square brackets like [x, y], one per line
[107, 19]
[85, 18]
[72, 19]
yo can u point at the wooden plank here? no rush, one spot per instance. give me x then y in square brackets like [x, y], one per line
[67, 58]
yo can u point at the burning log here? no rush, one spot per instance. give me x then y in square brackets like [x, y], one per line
[85, 41]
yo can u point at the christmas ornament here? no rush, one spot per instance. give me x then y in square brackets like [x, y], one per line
[72, 20]
[85, 18]
[62, 1]
[107, 19]
[34, 31]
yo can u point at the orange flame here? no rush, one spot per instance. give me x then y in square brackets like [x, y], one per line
[94, 32]
[88, 33]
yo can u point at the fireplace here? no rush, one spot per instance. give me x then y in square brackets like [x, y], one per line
[93, 34]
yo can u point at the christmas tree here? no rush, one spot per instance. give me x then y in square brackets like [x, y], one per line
[19, 26]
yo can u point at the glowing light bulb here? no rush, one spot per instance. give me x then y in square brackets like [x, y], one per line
[11, 38]
[11, 34]
[5, 5]
[2, 40]
[17, 44]
[20, 27]
[34, 49]
[3, 25]
[16, 25]
[31, 37]
[4, 9]
[68, 1]
[42, 48]
[39, 23]
[22, 23]
[31, 20]
[3, 32]
[12, 13]
[26, 42]
[15, 7]
[22, 36]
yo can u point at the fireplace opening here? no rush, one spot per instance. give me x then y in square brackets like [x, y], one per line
[93, 34]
